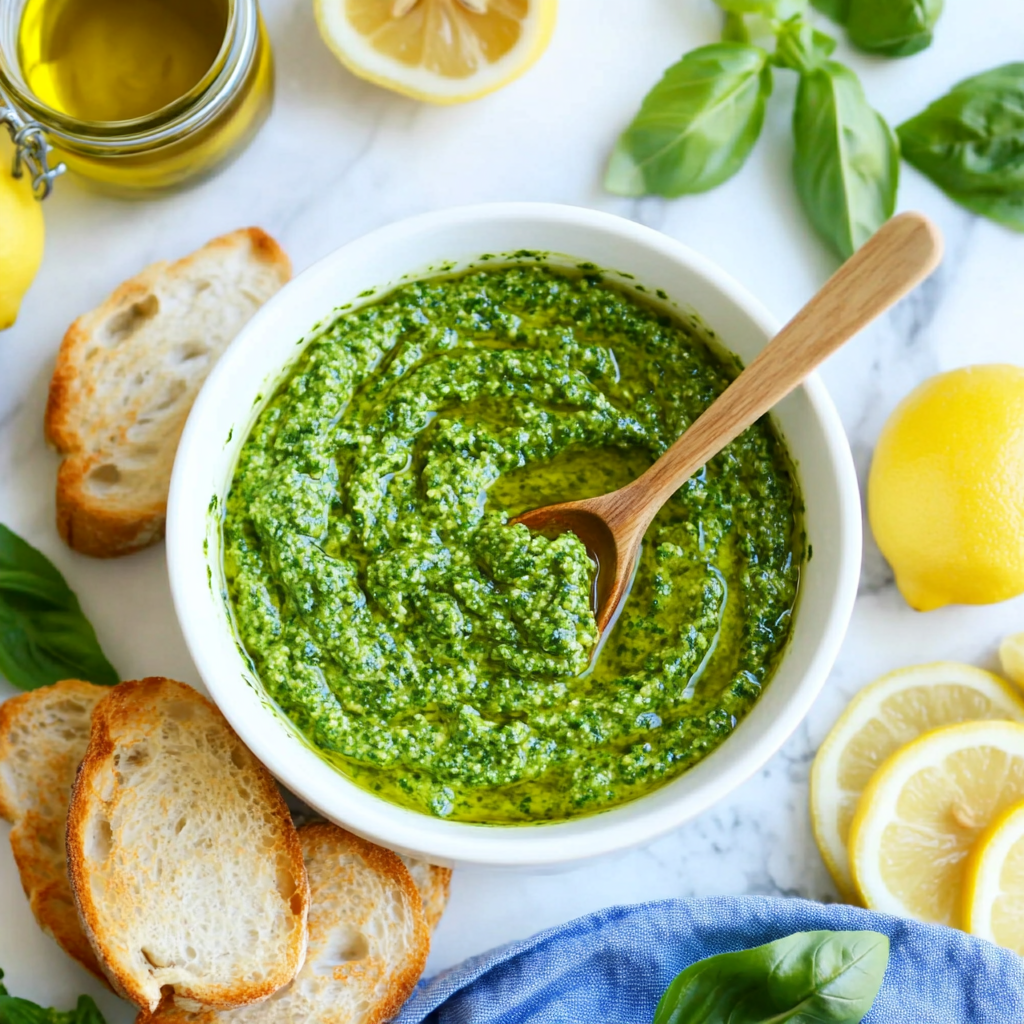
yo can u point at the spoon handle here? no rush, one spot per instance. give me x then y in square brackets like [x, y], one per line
[894, 260]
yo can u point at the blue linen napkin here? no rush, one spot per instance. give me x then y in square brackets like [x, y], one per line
[612, 966]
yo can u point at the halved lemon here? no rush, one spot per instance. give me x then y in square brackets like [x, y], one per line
[441, 51]
[923, 811]
[883, 717]
[994, 883]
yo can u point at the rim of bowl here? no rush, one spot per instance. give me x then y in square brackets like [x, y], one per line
[341, 800]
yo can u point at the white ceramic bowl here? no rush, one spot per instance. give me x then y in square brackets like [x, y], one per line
[246, 376]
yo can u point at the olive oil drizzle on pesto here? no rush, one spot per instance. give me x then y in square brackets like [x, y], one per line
[441, 657]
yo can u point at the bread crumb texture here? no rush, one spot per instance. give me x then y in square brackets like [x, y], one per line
[434, 885]
[43, 737]
[184, 862]
[127, 375]
[368, 941]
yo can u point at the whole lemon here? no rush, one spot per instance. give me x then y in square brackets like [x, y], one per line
[946, 490]
[21, 236]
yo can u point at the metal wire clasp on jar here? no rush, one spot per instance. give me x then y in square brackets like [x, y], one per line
[181, 141]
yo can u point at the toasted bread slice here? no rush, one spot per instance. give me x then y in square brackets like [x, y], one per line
[368, 941]
[127, 375]
[43, 736]
[184, 862]
[434, 885]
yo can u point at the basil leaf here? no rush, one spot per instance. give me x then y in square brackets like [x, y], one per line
[697, 126]
[971, 142]
[86, 1012]
[801, 47]
[846, 161]
[837, 10]
[806, 978]
[734, 28]
[22, 1011]
[1005, 210]
[894, 28]
[44, 637]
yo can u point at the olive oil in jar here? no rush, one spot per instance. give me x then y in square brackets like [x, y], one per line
[117, 60]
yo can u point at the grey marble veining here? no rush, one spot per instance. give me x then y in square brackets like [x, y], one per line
[340, 157]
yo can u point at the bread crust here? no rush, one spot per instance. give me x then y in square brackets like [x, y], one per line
[118, 715]
[38, 815]
[434, 884]
[389, 864]
[322, 983]
[102, 525]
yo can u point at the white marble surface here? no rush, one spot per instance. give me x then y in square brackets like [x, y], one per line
[340, 157]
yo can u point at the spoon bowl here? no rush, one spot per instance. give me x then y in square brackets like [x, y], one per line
[588, 521]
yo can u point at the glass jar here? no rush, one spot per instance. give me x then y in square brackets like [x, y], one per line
[160, 151]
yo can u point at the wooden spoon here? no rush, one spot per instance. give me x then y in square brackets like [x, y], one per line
[897, 258]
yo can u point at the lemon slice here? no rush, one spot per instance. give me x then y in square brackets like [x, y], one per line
[923, 811]
[1011, 658]
[441, 51]
[994, 883]
[883, 717]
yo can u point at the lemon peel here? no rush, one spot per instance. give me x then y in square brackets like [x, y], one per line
[1011, 658]
[946, 489]
[438, 51]
[21, 239]
[924, 809]
[994, 882]
[887, 714]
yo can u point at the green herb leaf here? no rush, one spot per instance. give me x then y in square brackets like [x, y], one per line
[837, 10]
[801, 47]
[1005, 210]
[894, 28]
[22, 1011]
[846, 161]
[971, 143]
[807, 978]
[697, 126]
[734, 28]
[44, 637]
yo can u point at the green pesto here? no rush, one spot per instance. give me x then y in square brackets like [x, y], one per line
[442, 658]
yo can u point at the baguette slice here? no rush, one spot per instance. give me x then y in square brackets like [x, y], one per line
[184, 863]
[368, 941]
[434, 885]
[43, 737]
[127, 375]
